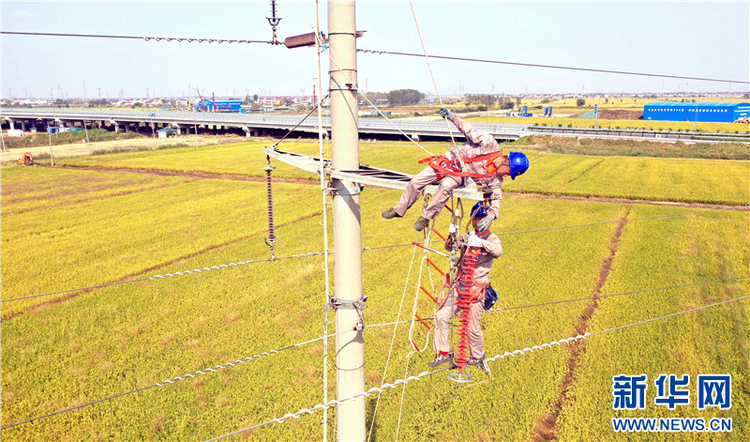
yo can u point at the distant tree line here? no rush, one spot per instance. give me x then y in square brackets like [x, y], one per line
[401, 97]
[488, 100]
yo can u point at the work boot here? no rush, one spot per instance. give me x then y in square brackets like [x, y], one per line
[440, 360]
[421, 223]
[390, 214]
[481, 364]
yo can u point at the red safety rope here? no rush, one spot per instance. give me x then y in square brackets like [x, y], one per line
[444, 166]
[464, 288]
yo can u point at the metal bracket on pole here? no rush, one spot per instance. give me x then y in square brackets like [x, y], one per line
[345, 190]
[359, 304]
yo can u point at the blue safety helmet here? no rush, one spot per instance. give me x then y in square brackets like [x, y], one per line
[519, 163]
[480, 210]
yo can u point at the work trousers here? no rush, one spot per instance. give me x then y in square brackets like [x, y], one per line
[416, 186]
[442, 326]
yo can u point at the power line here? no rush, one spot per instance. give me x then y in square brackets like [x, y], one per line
[222, 266]
[299, 344]
[521, 307]
[617, 294]
[135, 37]
[178, 378]
[166, 275]
[604, 222]
[383, 387]
[549, 66]
[334, 402]
[374, 51]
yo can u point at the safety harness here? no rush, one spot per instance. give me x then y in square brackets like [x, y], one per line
[445, 166]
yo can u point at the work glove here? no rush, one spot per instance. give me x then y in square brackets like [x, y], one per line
[474, 240]
[485, 223]
[452, 228]
[445, 113]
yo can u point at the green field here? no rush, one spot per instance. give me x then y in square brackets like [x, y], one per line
[72, 228]
[664, 179]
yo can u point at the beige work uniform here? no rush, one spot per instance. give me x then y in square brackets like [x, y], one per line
[478, 143]
[492, 248]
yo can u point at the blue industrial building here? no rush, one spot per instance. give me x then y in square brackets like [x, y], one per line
[707, 112]
[221, 106]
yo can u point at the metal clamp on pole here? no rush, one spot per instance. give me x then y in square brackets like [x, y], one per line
[345, 190]
[359, 304]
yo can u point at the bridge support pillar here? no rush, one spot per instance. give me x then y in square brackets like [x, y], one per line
[10, 122]
[415, 137]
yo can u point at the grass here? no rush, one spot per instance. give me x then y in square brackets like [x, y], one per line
[709, 341]
[60, 212]
[44, 139]
[668, 179]
[69, 228]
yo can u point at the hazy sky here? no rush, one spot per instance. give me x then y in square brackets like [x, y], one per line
[697, 39]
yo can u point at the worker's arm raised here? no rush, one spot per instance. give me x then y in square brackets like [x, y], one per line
[493, 246]
[483, 139]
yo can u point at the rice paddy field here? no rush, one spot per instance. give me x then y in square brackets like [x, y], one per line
[574, 227]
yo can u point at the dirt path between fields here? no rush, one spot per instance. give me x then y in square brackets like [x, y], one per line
[192, 174]
[546, 427]
[316, 182]
[588, 169]
[81, 149]
[139, 275]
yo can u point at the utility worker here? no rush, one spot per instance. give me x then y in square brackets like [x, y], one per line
[486, 247]
[480, 158]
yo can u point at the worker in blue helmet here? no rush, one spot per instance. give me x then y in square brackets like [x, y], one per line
[480, 158]
[479, 248]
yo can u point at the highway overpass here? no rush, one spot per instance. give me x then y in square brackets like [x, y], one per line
[255, 124]
[260, 124]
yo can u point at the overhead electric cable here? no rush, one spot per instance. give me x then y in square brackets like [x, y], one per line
[519, 307]
[375, 51]
[178, 378]
[324, 192]
[549, 66]
[634, 292]
[393, 339]
[388, 120]
[303, 255]
[167, 275]
[546, 229]
[299, 344]
[437, 90]
[136, 37]
[335, 402]
[299, 123]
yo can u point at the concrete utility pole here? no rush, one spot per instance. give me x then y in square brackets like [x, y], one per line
[347, 228]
